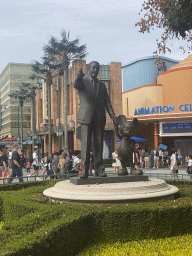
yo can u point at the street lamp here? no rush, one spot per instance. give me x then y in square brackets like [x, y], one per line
[20, 95]
[35, 136]
[59, 131]
[33, 87]
[71, 124]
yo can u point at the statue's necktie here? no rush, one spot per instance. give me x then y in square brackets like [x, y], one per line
[94, 85]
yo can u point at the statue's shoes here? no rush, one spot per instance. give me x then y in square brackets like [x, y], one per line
[84, 176]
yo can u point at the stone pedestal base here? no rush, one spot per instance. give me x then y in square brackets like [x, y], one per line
[106, 180]
[123, 192]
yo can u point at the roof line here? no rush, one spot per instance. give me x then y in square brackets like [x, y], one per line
[150, 57]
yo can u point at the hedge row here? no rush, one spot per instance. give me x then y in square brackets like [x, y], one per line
[34, 226]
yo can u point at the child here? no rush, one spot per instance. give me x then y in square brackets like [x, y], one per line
[28, 165]
[186, 159]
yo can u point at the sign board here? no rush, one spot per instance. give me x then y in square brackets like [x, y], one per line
[175, 128]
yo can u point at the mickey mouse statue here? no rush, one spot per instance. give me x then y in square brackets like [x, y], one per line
[124, 130]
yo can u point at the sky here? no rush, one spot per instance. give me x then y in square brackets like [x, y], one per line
[107, 27]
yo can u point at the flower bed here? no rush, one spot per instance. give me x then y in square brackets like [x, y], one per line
[34, 226]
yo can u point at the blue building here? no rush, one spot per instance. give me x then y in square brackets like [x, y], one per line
[143, 71]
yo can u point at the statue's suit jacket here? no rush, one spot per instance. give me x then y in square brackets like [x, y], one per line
[93, 101]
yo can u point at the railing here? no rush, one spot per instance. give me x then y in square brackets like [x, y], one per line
[37, 177]
[162, 176]
[167, 176]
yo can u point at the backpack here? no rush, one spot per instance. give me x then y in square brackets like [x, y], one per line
[31, 159]
[55, 165]
[69, 164]
[157, 153]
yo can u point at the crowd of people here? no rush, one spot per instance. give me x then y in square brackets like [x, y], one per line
[160, 157]
[57, 165]
[63, 163]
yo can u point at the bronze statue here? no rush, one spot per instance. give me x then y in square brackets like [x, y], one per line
[124, 131]
[94, 100]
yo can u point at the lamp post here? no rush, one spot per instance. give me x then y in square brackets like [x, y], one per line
[21, 99]
[65, 108]
[17, 95]
[32, 87]
[18, 135]
[59, 131]
[34, 138]
[49, 116]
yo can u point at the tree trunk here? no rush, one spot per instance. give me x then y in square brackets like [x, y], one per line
[49, 116]
[65, 108]
[34, 118]
[59, 114]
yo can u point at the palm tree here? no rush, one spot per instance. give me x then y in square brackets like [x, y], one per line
[63, 52]
[46, 70]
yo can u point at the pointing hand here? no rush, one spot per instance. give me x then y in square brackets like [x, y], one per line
[80, 75]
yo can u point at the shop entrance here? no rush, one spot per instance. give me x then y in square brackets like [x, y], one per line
[185, 145]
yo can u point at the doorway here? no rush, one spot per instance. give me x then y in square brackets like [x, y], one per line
[185, 145]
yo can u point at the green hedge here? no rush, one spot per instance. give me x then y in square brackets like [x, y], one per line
[34, 226]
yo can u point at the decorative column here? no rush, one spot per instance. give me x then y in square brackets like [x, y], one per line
[156, 134]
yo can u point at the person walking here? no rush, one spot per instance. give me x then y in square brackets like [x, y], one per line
[156, 158]
[9, 158]
[140, 157]
[136, 156]
[116, 164]
[160, 157]
[189, 167]
[5, 167]
[45, 164]
[16, 165]
[35, 163]
[173, 164]
[61, 165]
[180, 157]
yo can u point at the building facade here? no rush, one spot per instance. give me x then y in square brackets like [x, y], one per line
[163, 107]
[10, 79]
[143, 71]
[110, 75]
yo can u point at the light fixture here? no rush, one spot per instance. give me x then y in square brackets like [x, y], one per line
[59, 131]
[71, 124]
[35, 136]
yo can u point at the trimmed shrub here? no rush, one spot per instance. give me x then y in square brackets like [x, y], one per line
[35, 226]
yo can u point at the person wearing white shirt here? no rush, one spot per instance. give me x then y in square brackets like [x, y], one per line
[173, 166]
[160, 157]
[35, 162]
[189, 164]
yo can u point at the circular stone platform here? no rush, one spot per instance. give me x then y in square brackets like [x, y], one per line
[151, 190]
